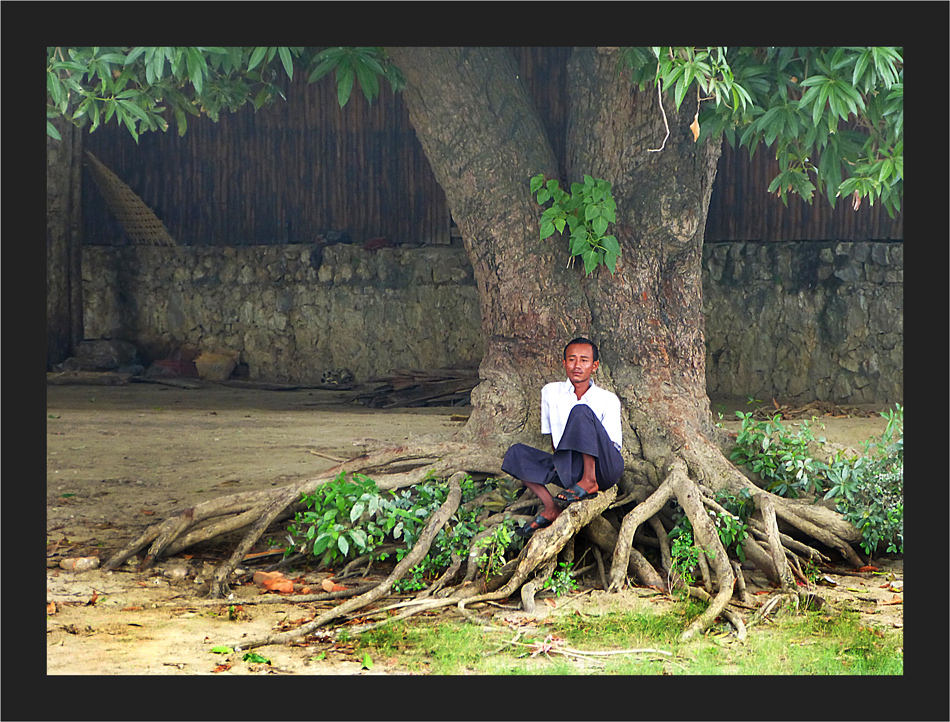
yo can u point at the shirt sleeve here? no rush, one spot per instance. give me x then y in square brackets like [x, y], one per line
[612, 422]
[545, 410]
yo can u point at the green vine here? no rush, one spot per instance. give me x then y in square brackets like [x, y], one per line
[586, 211]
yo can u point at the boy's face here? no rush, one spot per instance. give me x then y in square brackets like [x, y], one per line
[579, 362]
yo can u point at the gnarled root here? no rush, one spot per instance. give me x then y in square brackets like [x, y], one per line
[415, 555]
[256, 510]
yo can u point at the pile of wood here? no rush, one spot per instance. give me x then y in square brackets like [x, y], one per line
[815, 408]
[433, 387]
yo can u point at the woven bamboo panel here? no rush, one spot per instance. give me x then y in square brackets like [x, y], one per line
[303, 167]
[141, 225]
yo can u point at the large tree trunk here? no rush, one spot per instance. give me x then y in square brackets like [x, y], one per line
[484, 141]
[63, 243]
[649, 314]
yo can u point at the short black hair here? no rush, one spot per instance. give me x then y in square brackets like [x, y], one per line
[583, 340]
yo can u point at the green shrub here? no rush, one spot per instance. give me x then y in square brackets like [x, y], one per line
[345, 519]
[868, 489]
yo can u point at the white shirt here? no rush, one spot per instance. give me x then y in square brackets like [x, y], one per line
[558, 398]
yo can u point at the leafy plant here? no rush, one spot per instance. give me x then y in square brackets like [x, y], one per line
[349, 518]
[562, 582]
[780, 458]
[334, 525]
[685, 556]
[586, 211]
[868, 489]
[834, 115]
[495, 545]
[731, 526]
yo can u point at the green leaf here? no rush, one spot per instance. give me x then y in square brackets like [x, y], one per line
[322, 69]
[196, 69]
[536, 183]
[256, 56]
[51, 131]
[547, 229]
[255, 658]
[343, 545]
[344, 79]
[367, 662]
[611, 245]
[287, 62]
[221, 650]
[368, 81]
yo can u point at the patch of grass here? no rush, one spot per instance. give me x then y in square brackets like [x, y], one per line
[795, 644]
[634, 628]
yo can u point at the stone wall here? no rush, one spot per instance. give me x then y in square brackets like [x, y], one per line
[805, 321]
[292, 311]
[797, 321]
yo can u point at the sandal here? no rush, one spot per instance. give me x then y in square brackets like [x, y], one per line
[572, 494]
[539, 522]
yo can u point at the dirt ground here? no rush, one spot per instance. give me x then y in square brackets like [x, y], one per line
[120, 458]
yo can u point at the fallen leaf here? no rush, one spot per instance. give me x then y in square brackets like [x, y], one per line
[550, 602]
[148, 513]
[131, 609]
[894, 600]
[93, 598]
[51, 608]
[255, 658]
[867, 569]
[221, 650]
[221, 668]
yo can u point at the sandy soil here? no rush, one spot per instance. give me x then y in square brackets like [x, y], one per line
[122, 458]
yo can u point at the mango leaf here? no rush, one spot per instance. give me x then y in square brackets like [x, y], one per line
[286, 61]
[255, 658]
[344, 84]
[256, 58]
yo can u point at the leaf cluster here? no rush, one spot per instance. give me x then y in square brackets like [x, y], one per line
[868, 489]
[834, 116]
[141, 86]
[782, 459]
[345, 518]
[586, 212]
[684, 555]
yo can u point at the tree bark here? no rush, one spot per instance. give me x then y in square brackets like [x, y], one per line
[485, 141]
[63, 243]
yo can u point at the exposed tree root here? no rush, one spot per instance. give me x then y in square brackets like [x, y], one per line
[690, 479]
[415, 555]
[256, 510]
